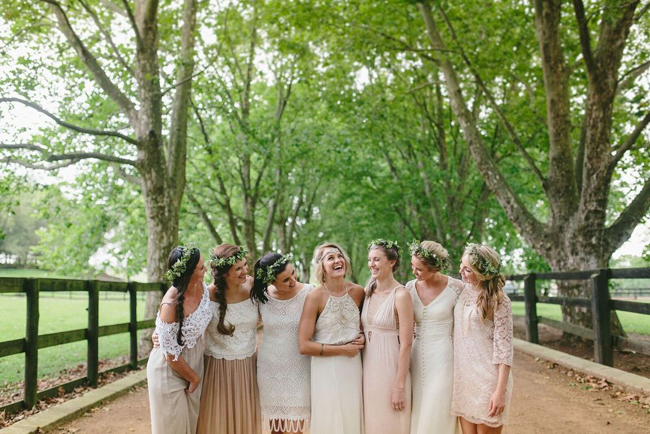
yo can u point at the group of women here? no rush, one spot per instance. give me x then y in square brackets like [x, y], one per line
[431, 356]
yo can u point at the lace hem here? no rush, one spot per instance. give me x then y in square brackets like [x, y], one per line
[230, 356]
[477, 421]
[287, 424]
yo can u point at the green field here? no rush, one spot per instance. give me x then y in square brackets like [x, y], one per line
[632, 322]
[60, 312]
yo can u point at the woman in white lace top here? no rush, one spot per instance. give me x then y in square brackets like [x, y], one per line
[175, 366]
[434, 297]
[482, 344]
[283, 374]
[329, 332]
[230, 399]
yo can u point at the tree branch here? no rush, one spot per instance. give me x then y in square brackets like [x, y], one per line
[134, 25]
[120, 172]
[585, 38]
[112, 6]
[10, 160]
[69, 125]
[622, 229]
[76, 156]
[630, 141]
[205, 218]
[91, 62]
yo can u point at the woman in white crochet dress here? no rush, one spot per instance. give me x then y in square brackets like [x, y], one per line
[282, 372]
[434, 296]
[482, 344]
[175, 366]
[329, 332]
[230, 398]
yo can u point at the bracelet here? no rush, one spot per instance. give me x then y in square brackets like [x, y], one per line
[321, 349]
[400, 390]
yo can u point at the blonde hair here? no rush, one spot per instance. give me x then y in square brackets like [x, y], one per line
[319, 254]
[482, 261]
[441, 256]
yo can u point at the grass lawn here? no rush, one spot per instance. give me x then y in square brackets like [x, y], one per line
[632, 322]
[60, 312]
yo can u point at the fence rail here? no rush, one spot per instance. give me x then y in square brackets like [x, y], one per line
[32, 342]
[600, 303]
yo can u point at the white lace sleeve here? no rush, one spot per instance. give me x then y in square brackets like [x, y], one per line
[502, 353]
[167, 333]
[457, 286]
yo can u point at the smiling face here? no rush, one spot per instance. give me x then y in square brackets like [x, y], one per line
[199, 271]
[287, 279]
[379, 264]
[236, 275]
[421, 270]
[334, 263]
[466, 272]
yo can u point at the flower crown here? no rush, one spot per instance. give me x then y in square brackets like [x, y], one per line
[267, 275]
[386, 244]
[416, 249]
[483, 265]
[218, 262]
[179, 267]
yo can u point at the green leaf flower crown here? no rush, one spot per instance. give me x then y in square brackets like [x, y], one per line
[218, 262]
[268, 275]
[416, 249]
[483, 265]
[179, 267]
[386, 244]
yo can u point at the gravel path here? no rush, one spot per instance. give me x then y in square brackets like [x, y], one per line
[544, 401]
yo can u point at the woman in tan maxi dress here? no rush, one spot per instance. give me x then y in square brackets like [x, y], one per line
[387, 319]
[230, 399]
[482, 345]
[175, 366]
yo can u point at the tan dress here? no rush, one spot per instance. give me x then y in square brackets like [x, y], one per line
[173, 411]
[479, 348]
[380, 357]
[336, 390]
[230, 402]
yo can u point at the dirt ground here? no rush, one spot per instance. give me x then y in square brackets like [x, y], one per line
[545, 400]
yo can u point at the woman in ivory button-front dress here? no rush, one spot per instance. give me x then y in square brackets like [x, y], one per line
[434, 296]
[387, 320]
[329, 332]
[282, 372]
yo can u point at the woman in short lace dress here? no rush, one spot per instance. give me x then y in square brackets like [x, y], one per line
[175, 366]
[283, 374]
[329, 332]
[230, 399]
[387, 319]
[482, 344]
[434, 297]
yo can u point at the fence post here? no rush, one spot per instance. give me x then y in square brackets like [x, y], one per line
[600, 306]
[530, 300]
[32, 288]
[93, 332]
[133, 325]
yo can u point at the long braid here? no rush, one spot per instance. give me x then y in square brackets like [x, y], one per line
[181, 283]
[220, 295]
[180, 314]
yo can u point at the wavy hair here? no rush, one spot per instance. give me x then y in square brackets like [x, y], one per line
[480, 256]
[222, 251]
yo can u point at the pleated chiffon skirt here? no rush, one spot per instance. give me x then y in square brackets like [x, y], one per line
[173, 410]
[230, 402]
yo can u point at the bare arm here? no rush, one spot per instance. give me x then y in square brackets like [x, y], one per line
[180, 366]
[404, 307]
[498, 400]
[306, 330]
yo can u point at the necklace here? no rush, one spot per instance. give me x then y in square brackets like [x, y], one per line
[344, 289]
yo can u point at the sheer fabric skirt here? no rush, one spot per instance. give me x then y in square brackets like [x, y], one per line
[173, 411]
[230, 402]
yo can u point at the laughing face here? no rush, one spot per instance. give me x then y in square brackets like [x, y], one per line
[379, 264]
[466, 272]
[334, 263]
[237, 273]
[421, 271]
[286, 280]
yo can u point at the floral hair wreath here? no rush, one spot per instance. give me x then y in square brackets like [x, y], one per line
[179, 267]
[218, 262]
[416, 249]
[386, 244]
[482, 264]
[267, 275]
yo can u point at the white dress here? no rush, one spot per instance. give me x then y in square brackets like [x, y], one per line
[336, 389]
[173, 410]
[283, 374]
[432, 361]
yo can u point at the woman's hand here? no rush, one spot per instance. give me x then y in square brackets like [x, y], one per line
[193, 384]
[359, 340]
[497, 403]
[154, 339]
[398, 399]
[351, 349]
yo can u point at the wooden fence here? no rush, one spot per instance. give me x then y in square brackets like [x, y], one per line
[600, 304]
[32, 341]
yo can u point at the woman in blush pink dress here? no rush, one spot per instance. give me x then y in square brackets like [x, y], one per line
[387, 319]
[482, 345]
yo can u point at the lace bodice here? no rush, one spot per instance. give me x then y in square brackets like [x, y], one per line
[339, 322]
[245, 317]
[193, 327]
[437, 317]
